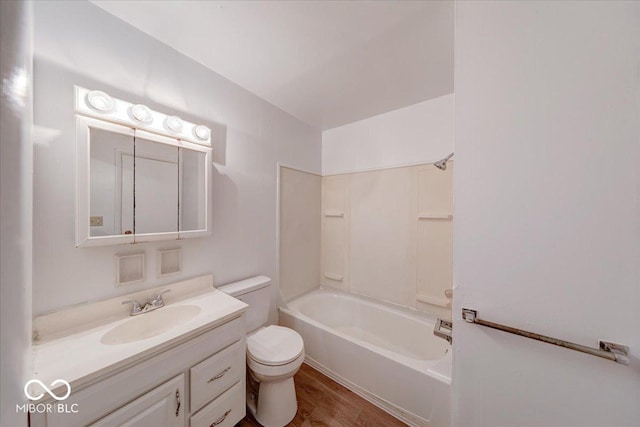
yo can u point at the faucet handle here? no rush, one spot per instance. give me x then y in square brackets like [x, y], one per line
[135, 306]
[157, 301]
[159, 296]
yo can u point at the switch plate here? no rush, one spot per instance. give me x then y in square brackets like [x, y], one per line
[95, 221]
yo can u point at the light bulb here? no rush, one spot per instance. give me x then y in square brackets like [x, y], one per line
[201, 132]
[100, 101]
[173, 123]
[142, 113]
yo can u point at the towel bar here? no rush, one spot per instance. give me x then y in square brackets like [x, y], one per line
[616, 352]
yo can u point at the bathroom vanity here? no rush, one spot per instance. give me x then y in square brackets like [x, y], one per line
[180, 365]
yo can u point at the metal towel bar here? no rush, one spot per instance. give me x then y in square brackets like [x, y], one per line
[616, 352]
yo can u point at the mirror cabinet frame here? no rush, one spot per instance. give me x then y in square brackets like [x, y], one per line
[84, 124]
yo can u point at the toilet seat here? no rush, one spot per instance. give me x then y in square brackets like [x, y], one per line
[274, 346]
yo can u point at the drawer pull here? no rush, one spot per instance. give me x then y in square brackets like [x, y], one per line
[178, 402]
[219, 375]
[221, 419]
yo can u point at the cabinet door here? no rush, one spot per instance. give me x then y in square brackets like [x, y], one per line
[161, 407]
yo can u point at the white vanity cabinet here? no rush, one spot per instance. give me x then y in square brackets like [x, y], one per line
[198, 381]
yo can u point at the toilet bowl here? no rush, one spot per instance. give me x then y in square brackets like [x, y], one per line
[274, 355]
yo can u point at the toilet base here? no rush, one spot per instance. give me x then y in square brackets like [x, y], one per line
[276, 403]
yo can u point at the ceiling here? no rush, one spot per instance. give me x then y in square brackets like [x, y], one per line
[328, 63]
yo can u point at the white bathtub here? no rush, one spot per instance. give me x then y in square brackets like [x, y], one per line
[386, 354]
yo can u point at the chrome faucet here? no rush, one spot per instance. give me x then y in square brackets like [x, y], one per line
[444, 329]
[151, 304]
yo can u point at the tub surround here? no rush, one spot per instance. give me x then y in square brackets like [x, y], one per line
[79, 331]
[388, 234]
[299, 231]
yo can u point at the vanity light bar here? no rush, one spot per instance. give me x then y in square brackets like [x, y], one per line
[100, 105]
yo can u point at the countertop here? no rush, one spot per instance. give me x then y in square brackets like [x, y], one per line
[79, 357]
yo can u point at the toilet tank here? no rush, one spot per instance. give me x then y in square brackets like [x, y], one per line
[256, 292]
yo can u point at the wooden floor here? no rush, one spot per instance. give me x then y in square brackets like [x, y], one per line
[324, 402]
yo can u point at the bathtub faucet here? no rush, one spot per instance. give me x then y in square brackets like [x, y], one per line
[443, 329]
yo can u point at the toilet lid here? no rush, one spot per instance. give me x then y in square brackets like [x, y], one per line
[274, 345]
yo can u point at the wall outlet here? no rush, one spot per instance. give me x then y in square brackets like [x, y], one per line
[95, 221]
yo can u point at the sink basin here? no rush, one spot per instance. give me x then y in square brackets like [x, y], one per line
[150, 324]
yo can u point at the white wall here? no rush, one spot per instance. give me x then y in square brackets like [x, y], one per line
[547, 211]
[16, 174]
[78, 43]
[420, 133]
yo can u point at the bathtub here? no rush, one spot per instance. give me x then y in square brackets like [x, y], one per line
[387, 355]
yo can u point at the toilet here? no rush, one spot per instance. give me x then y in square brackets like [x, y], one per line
[274, 355]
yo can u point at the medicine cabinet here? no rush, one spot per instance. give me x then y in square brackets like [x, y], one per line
[141, 175]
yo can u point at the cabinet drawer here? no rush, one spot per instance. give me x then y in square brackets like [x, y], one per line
[216, 374]
[225, 411]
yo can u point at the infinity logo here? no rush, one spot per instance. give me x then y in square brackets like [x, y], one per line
[47, 389]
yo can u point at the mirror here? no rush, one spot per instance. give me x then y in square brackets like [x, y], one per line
[193, 197]
[155, 187]
[111, 161]
[136, 186]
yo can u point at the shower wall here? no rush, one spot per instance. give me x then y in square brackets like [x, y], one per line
[299, 236]
[380, 219]
[388, 234]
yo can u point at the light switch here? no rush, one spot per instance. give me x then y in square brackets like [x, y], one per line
[95, 221]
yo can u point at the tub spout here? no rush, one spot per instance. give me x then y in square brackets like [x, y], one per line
[444, 329]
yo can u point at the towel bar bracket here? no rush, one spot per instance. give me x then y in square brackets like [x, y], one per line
[621, 351]
[469, 315]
